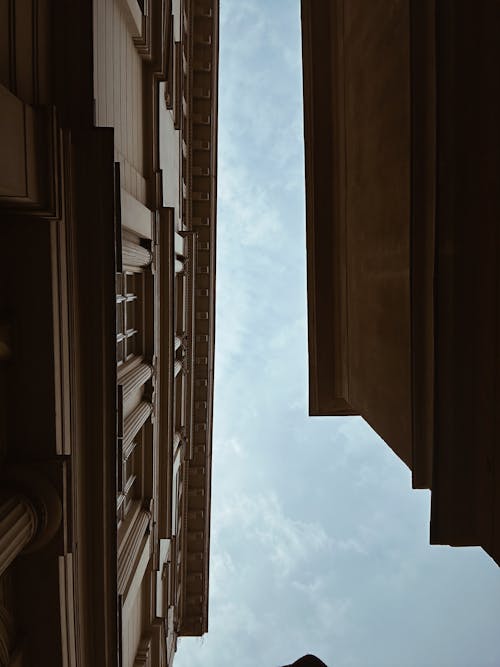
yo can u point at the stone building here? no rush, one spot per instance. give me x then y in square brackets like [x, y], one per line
[401, 104]
[108, 135]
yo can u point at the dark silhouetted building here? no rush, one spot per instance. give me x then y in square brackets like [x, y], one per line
[402, 151]
[308, 661]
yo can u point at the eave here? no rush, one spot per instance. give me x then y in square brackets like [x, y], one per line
[322, 52]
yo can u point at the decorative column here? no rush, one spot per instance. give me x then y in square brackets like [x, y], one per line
[18, 526]
[30, 513]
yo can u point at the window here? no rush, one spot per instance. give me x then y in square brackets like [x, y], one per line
[128, 288]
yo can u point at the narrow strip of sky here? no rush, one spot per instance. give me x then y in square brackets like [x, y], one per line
[318, 542]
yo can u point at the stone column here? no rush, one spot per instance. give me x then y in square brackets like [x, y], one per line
[30, 513]
[18, 526]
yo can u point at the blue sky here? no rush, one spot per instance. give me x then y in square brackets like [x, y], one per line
[318, 542]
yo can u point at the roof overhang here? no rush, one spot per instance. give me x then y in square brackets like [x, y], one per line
[322, 53]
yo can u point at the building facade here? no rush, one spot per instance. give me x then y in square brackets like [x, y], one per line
[403, 203]
[108, 126]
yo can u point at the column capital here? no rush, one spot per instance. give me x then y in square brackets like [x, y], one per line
[41, 498]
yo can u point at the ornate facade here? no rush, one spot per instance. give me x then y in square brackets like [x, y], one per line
[401, 101]
[108, 127]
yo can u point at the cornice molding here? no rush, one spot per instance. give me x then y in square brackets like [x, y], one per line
[203, 18]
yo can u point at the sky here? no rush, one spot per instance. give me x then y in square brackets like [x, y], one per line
[318, 542]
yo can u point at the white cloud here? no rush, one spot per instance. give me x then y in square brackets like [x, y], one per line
[287, 543]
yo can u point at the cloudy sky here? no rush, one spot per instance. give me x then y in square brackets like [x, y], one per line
[318, 542]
